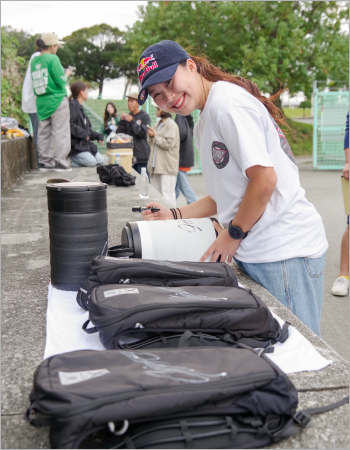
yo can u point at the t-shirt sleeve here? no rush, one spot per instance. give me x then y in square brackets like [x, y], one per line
[57, 73]
[243, 133]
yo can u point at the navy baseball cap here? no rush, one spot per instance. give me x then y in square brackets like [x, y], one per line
[158, 63]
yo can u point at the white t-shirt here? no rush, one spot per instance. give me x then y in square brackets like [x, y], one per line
[28, 96]
[235, 132]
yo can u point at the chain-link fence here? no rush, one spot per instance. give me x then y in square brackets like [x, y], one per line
[330, 110]
[95, 110]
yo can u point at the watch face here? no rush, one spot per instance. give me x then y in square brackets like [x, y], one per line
[235, 232]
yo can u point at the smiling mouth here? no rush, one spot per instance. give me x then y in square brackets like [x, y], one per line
[179, 102]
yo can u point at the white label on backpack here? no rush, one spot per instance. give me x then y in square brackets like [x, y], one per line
[67, 378]
[120, 292]
[114, 257]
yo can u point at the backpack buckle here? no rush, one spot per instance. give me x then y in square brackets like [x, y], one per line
[301, 418]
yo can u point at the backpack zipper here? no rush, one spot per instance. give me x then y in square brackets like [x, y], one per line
[193, 274]
[209, 305]
[233, 382]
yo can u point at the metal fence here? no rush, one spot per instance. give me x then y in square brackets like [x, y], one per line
[330, 109]
[95, 110]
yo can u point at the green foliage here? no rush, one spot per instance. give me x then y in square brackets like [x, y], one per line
[23, 42]
[305, 104]
[287, 44]
[13, 68]
[300, 138]
[96, 52]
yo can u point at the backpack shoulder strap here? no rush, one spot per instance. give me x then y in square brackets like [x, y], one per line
[119, 251]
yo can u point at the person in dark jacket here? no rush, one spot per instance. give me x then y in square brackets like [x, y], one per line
[135, 125]
[186, 125]
[83, 152]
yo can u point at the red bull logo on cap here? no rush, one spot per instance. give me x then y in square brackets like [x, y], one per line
[143, 68]
[144, 61]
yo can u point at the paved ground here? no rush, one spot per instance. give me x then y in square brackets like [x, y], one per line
[324, 191]
[308, 120]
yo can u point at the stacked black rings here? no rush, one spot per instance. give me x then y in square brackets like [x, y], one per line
[78, 225]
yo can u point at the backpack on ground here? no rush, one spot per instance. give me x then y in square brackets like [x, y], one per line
[155, 316]
[115, 174]
[165, 398]
[110, 270]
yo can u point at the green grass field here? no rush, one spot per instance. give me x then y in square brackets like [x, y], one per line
[299, 138]
[296, 113]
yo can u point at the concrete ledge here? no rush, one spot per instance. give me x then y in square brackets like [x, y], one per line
[25, 279]
[18, 156]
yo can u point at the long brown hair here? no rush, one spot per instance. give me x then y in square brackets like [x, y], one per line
[213, 73]
[76, 88]
[107, 116]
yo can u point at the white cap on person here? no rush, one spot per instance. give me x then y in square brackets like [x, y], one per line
[52, 39]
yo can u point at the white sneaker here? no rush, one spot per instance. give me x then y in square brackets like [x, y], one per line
[340, 287]
[59, 168]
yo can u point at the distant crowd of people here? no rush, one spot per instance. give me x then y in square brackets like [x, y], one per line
[64, 137]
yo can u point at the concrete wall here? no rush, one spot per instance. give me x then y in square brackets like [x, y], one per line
[17, 157]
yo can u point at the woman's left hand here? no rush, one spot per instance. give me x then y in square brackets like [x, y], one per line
[223, 246]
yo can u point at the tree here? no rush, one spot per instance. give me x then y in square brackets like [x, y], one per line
[275, 44]
[13, 68]
[304, 105]
[96, 52]
[23, 42]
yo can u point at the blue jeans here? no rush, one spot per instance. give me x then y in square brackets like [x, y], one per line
[183, 186]
[297, 283]
[87, 159]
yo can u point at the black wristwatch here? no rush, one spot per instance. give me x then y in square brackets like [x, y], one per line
[236, 232]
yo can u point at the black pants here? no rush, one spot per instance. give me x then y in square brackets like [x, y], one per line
[138, 167]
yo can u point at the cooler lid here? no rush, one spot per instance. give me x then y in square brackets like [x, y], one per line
[75, 186]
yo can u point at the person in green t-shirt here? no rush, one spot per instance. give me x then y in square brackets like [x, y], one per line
[49, 84]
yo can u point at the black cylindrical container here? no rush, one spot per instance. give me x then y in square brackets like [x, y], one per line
[78, 226]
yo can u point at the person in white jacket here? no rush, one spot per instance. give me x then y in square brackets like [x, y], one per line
[28, 96]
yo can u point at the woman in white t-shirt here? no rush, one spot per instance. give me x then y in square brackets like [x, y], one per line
[271, 230]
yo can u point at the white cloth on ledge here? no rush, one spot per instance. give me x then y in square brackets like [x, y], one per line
[64, 333]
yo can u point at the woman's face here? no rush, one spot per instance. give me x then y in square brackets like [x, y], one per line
[180, 95]
[84, 94]
[110, 109]
[157, 112]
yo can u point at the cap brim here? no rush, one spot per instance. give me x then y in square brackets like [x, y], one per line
[61, 44]
[158, 77]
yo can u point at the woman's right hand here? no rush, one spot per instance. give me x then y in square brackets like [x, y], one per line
[163, 214]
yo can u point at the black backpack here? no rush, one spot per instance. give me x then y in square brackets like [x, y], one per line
[135, 316]
[115, 174]
[110, 270]
[168, 398]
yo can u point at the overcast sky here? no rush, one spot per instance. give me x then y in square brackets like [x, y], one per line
[64, 17]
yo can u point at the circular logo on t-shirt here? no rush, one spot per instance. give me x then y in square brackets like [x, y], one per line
[138, 122]
[220, 154]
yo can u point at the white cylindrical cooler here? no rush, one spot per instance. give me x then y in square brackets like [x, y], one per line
[173, 240]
